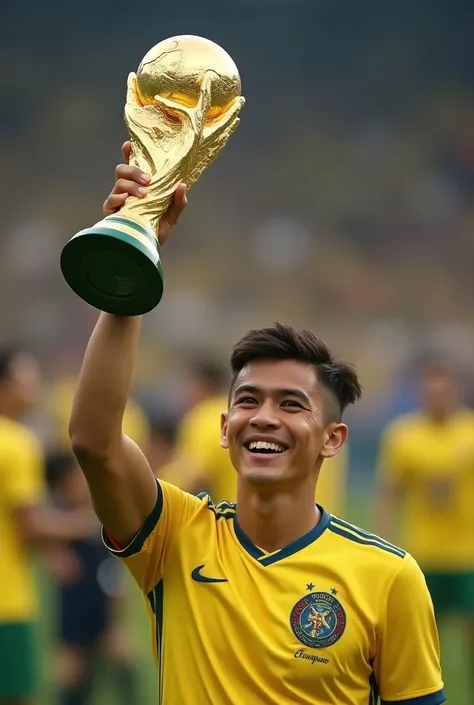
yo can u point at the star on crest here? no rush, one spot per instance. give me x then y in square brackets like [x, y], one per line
[309, 586]
[333, 591]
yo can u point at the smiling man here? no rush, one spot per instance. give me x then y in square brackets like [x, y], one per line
[283, 603]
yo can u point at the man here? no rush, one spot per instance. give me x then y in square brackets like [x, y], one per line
[249, 577]
[426, 471]
[24, 523]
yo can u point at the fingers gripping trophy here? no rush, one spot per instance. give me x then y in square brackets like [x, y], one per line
[182, 106]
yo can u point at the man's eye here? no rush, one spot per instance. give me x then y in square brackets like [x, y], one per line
[246, 400]
[292, 403]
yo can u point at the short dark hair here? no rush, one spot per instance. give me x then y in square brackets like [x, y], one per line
[7, 357]
[283, 342]
[57, 466]
[210, 371]
[164, 425]
[433, 363]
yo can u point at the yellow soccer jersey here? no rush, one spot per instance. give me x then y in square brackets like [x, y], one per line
[21, 484]
[334, 618]
[433, 464]
[200, 457]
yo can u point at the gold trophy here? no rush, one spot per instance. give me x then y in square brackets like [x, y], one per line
[182, 106]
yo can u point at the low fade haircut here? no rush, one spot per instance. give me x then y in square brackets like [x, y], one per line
[283, 342]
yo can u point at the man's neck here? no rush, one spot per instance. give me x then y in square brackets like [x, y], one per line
[442, 416]
[8, 412]
[273, 518]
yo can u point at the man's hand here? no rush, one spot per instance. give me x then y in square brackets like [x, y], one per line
[131, 181]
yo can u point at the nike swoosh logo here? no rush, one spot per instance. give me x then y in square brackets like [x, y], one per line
[200, 578]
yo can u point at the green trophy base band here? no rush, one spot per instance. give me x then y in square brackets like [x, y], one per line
[115, 266]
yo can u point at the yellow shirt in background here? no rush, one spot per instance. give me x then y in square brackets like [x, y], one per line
[433, 464]
[200, 457]
[331, 491]
[21, 485]
[135, 422]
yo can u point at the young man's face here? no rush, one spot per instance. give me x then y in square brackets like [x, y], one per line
[277, 428]
[23, 383]
[439, 390]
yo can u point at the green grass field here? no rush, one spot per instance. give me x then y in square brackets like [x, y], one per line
[455, 662]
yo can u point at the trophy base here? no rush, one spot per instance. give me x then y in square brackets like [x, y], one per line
[115, 266]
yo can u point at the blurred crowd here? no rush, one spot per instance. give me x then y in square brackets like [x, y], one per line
[343, 202]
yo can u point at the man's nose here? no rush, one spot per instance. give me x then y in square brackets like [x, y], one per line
[265, 416]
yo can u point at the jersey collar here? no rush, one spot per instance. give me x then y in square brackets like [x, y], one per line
[268, 558]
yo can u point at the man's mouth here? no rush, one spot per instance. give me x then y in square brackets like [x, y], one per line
[265, 448]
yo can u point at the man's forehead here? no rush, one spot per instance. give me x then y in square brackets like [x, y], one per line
[278, 374]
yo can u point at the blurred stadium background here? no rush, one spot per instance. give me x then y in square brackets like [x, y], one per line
[344, 203]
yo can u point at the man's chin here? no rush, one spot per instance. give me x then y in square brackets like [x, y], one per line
[260, 476]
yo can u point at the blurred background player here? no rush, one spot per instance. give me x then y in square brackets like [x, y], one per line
[61, 397]
[161, 447]
[426, 485]
[201, 464]
[93, 639]
[25, 523]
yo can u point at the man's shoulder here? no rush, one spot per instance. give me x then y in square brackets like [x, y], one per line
[465, 415]
[366, 547]
[206, 412]
[222, 509]
[405, 423]
[16, 434]
[201, 503]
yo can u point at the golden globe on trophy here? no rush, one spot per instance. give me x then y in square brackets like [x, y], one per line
[182, 106]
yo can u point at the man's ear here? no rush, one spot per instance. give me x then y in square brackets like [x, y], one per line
[224, 425]
[336, 435]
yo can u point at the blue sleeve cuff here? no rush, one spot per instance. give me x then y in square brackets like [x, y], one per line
[136, 544]
[432, 699]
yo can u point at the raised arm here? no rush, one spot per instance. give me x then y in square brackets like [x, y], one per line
[121, 482]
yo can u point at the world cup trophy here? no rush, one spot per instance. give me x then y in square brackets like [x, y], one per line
[182, 106]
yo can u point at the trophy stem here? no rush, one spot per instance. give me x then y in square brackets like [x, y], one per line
[115, 266]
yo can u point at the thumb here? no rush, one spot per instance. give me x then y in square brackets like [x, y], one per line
[178, 204]
[126, 151]
[132, 96]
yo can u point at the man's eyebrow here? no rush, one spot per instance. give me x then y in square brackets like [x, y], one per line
[295, 393]
[249, 388]
[287, 392]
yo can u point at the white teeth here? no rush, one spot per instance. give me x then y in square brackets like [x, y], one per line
[264, 445]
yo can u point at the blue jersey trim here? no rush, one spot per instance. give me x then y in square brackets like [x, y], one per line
[136, 544]
[433, 699]
[159, 597]
[365, 534]
[365, 541]
[374, 691]
[222, 510]
[265, 559]
[155, 598]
